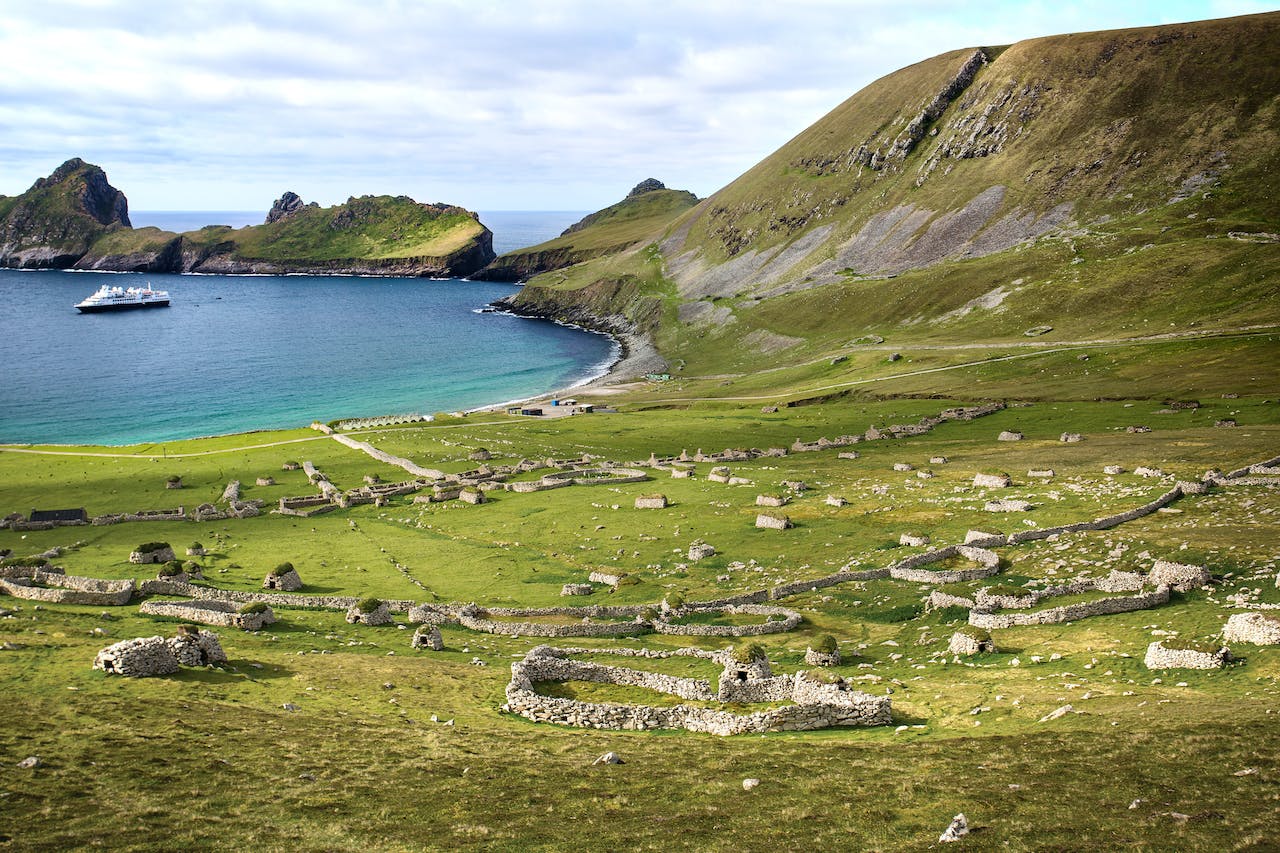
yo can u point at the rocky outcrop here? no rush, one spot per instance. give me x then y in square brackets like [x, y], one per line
[287, 204]
[55, 221]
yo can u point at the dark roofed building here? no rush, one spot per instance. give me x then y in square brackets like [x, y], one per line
[63, 516]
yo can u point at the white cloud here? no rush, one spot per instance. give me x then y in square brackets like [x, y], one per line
[558, 104]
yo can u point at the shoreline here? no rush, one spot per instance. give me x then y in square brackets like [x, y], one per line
[631, 352]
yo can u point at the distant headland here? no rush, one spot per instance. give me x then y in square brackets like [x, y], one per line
[75, 219]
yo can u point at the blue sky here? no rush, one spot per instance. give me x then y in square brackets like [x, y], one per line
[548, 105]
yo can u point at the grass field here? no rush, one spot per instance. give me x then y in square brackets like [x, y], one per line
[208, 756]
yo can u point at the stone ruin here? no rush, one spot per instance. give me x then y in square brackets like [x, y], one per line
[1042, 473]
[1113, 470]
[772, 500]
[194, 647]
[152, 555]
[992, 481]
[719, 475]
[380, 614]
[773, 521]
[819, 702]
[651, 501]
[827, 654]
[428, 637]
[1007, 506]
[471, 495]
[1160, 656]
[265, 481]
[1253, 628]
[145, 657]
[1071, 438]
[938, 460]
[577, 589]
[1008, 435]
[833, 500]
[1180, 576]
[138, 658]
[903, 466]
[913, 540]
[971, 641]
[284, 578]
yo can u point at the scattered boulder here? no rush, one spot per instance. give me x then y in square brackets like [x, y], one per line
[913, 540]
[31, 762]
[1070, 438]
[700, 551]
[608, 758]
[265, 481]
[1007, 506]
[1042, 473]
[847, 454]
[1137, 429]
[833, 500]
[938, 460]
[750, 784]
[1008, 435]
[958, 828]
[1058, 713]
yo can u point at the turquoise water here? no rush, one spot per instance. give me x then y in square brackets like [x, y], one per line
[235, 353]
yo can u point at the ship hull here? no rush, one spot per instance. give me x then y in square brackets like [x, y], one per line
[101, 309]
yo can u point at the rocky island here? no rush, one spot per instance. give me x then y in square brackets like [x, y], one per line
[75, 219]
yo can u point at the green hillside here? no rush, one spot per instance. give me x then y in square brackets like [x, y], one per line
[1103, 184]
[646, 210]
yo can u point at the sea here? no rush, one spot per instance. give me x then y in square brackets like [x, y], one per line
[238, 353]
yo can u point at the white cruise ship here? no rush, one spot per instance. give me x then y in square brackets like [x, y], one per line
[108, 298]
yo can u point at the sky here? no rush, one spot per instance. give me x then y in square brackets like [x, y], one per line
[546, 105]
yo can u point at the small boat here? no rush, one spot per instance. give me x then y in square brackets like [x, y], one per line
[109, 298]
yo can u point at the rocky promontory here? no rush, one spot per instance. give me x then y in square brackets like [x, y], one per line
[75, 219]
[616, 228]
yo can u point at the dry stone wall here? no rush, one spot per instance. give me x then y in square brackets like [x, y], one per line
[225, 614]
[1252, 628]
[1071, 612]
[58, 588]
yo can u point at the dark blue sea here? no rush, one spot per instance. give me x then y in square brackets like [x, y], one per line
[235, 353]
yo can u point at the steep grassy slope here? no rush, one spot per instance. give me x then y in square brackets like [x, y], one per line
[57, 219]
[646, 210]
[1103, 184]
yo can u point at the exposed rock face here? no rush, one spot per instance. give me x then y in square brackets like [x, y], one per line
[648, 185]
[54, 222]
[288, 203]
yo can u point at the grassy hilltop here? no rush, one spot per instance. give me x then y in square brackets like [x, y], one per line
[647, 209]
[1118, 296]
